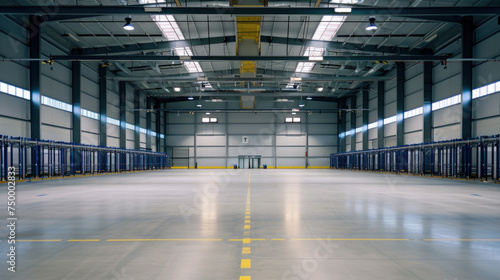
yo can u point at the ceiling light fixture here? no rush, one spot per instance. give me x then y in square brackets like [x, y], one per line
[190, 98]
[128, 26]
[207, 113]
[316, 58]
[294, 113]
[343, 10]
[177, 89]
[320, 89]
[309, 98]
[372, 25]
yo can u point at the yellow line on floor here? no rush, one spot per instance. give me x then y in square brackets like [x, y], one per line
[247, 213]
[246, 263]
[163, 239]
[493, 240]
[84, 240]
[246, 227]
[277, 239]
[245, 250]
[39, 240]
[245, 278]
[247, 221]
[348, 239]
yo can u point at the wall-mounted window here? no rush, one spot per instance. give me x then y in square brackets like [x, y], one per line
[113, 121]
[56, 104]
[292, 120]
[90, 114]
[209, 120]
[447, 102]
[130, 126]
[15, 91]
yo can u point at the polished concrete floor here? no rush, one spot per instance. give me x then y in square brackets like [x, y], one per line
[258, 224]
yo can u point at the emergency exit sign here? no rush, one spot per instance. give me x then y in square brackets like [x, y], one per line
[245, 139]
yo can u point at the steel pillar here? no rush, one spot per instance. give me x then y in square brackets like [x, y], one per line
[380, 113]
[342, 127]
[149, 103]
[400, 105]
[35, 75]
[137, 120]
[365, 118]
[467, 52]
[122, 91]
[103, 105]
[76, 91]
[353, 123]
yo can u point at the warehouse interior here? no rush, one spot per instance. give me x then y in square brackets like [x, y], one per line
[250, 139]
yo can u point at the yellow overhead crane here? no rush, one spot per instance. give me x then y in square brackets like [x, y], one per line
[248, 43]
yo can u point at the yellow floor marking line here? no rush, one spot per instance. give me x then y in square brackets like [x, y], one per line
[246, 227]
[247, 221]
[161, 239]
[84, 240]
[347, 239]
[40, 240]
[278, 239]
[246, 263]
[245, 250]
[247, 217]
[245, 278]
[247, 213]
[247, 240]
[493, 240]
[246, 233]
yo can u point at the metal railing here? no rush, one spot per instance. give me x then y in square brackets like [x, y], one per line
[461, 158]
[41, 158]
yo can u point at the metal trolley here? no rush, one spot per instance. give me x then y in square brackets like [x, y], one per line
[461, 158]
[41, 158]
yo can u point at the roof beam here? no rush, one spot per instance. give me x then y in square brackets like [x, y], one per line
[257, 79]
[230, 39]
[135, 10]
[244, 58]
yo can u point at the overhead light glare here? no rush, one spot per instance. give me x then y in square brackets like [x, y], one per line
[198, 105]
[295, 79]
[427, 40]
[294, 113]
[343, 10]
[207, 113]
[320, 89]
[309, 98]
[128, 26]
[177, 89]
[316, 58]
[190, 98]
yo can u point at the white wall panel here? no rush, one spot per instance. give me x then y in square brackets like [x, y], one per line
[486, 106]
[486, 127]
[322, 140]
[260, 140]
[180, 140]
[211, 152]
[245, 129]
[12, 127]
[413, 137]
[211, 162]
[321, 151]
[322, 128]
[90, 125]
[447, 133]
[447, 88]
[414, 123]
[290, 141]
[55, 133]
[255, 150]
[210, 140]
[112, 142]
[56, 117]
[298, 162]
[290, 129]
[322, 118]
[390, 129]
[211, 129]
[290, 151]
[449, 115]
[180, 129]
[15, 107]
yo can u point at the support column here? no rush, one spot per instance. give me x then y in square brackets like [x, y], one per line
[149, 103]
[353, 123]
[342, 127]
[165, 123]
[103, 106]
[381, 113]
[158, 126]
[122, 91]
[35, 97]
[76, 91]
[427, 112]
[400, 104]
[365, 118]
[467, 43]
[137, 120]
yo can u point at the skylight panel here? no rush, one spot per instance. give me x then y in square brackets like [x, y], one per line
[328, 27]
[305, 67]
